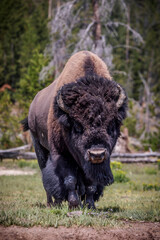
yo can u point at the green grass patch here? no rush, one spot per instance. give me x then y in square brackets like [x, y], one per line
[151, 170]
[31, 164]
[20, 163]
[158, 163]
[23, 201]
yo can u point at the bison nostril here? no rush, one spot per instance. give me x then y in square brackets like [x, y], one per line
[97, 155]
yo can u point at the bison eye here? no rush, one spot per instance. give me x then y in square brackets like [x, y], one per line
[78, 128]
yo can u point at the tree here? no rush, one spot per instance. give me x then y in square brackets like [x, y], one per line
[11, 27]
[23, 26]
[30, 84]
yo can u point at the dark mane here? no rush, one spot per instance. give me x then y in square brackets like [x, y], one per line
[91, 91]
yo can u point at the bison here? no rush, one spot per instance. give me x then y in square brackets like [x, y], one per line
[75, 123]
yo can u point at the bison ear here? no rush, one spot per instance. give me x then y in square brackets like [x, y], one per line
[64, 120]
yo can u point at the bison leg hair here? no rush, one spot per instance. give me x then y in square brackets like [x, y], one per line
[90, 191]
[99, 192]
[43, 156]
[67, 170]
[41, 152]
[50, 203]
[70, 183]
[52, 184]
[59, 181]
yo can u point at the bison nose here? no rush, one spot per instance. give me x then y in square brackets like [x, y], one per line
[97, 155]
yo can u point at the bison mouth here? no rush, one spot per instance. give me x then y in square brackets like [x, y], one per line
[97, 155]
[97, 165]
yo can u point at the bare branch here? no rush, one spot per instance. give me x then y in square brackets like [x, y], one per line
[126, 46]
[136, 35]
[83, 37]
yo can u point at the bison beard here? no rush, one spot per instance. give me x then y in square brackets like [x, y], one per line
[101, 173]
[75, 123]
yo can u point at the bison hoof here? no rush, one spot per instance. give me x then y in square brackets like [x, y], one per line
[73, 200]
[50, 204]
[57, 203]
[90, 205]
[73, 205]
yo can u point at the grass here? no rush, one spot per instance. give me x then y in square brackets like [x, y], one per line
[23, 200]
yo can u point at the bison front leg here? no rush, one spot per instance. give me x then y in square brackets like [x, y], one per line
[70, 183]
[41, 152]
[50, 203]
[43, 156]
[90, 191]
[60, 180]
[67, 170]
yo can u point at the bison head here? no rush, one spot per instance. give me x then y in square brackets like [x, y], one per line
[90, 112]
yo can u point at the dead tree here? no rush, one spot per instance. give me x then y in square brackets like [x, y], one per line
[97, 24]
[49, 9]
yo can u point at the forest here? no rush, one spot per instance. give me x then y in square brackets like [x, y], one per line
[37, 37]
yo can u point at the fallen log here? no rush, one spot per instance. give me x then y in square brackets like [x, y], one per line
[14, 152]
[136, 155]
[134, 160]
[20, 153]
[146, 157]
[27, 156]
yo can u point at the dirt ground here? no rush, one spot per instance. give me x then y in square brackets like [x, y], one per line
[131, 231]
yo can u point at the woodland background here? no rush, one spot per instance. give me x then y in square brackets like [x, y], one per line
[38, 36]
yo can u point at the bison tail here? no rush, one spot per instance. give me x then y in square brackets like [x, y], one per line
[25, 125]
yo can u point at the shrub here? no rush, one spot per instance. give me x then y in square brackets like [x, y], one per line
[116, 165]
[120, 176]
[147, 187]
[23, 163]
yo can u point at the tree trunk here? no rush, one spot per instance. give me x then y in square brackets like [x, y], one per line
[149, 96]
[129, 77]
[58, 3]
[49, 9]
[97, 25]
[127, 35]
[147, 103]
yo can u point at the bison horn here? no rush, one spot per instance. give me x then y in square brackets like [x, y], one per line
[122, 97]
[61, 103]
